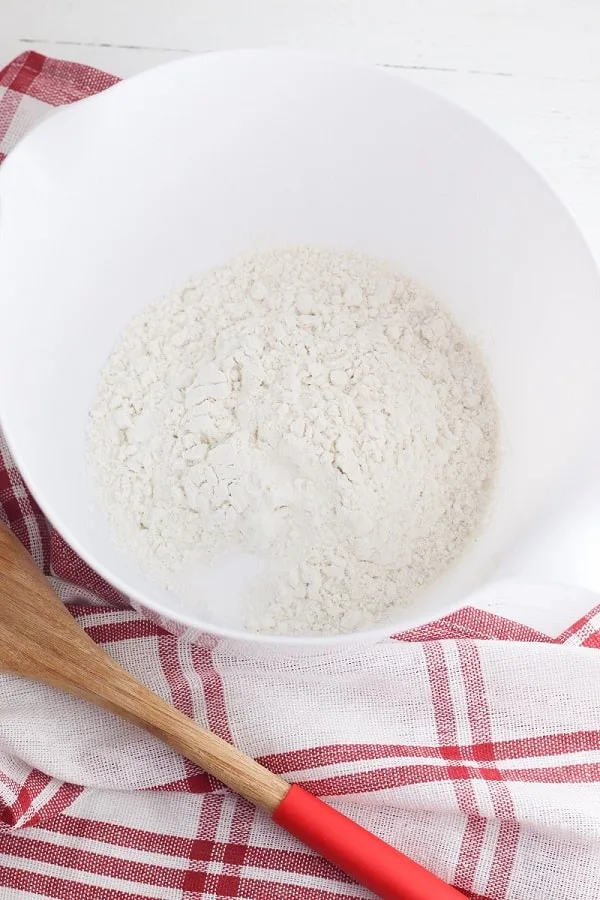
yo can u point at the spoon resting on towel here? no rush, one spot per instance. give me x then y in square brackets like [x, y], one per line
[40, 640]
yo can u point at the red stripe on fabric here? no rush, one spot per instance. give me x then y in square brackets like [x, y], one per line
[445, 718]
[592, 641]
[34, 784]
[9, 105]
[200, 850]
[472, 839]
[441, 696]
[476, 624]
[242, 822]
[15, 516]
[480, 725]
[331, 754]
[182, 698]
[27, 522]
[6, 73]
[119, 835]
[216, 865]
[475, 695]
[179, 686]
[80, 611]
[266, 857]
[119, 631]
[214, 693]
[224, 886]
[97, 863]
[519, 748]
[63, 82]
[206, 834]
[43, 537]
[31, 65]
[55, 81]
[68, 566]
[59, 888]
[578, 626]
[11, 814]
[60, 801]
[217, 886]
[22, 811]
[546, 745]
[505, 856]
[578, 773]
[405, 776]
[470, 852]
[217, 852]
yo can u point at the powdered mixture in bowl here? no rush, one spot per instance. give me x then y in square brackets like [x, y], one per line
[295, 442]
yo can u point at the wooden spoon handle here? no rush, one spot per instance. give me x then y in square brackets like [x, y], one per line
[40, 640]
[131, 700]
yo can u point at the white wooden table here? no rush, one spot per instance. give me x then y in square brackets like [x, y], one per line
[529, 68]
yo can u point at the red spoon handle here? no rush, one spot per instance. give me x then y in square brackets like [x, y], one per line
[366, 858]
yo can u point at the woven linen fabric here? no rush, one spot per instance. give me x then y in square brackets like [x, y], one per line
[472, 744]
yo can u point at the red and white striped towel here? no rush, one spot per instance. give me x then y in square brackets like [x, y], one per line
[472, 744]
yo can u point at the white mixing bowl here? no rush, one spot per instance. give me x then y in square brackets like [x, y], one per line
[118, 199]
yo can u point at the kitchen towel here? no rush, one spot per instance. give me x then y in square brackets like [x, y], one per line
[472, 744]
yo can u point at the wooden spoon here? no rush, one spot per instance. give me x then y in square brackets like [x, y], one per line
[40, 640]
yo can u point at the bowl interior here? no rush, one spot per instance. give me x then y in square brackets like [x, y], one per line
[123, 197]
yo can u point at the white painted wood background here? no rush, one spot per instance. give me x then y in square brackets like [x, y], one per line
[529, 68]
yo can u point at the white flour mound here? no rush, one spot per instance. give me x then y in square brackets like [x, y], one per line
[295, 442]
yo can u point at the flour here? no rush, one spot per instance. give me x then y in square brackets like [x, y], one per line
[295, 442]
